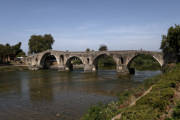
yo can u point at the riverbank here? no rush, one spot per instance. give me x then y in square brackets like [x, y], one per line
[157, 104]
[6, 68]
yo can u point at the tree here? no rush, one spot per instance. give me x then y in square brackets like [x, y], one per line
[87, 50]
[103, 48]
[170, 44]
[39, 43]
[8, 52]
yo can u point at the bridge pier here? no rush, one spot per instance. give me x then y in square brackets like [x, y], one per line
[122, 70]
[89, 68]
[33, 67]
[61, 68]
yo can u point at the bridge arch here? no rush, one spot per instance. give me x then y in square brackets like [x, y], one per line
[47, 59]
[95, 60]
[69, 63]
[129, 61]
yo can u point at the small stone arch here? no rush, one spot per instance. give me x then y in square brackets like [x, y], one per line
[88, 60]
[68, 63]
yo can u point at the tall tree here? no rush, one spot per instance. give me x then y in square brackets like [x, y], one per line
[103, 48]
[170, 44]
[39, 43]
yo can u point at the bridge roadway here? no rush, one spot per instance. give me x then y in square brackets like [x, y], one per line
[89, 59]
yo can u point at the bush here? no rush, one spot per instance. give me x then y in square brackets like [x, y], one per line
[176, 112]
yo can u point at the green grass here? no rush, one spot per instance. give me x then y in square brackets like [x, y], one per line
[150, 107]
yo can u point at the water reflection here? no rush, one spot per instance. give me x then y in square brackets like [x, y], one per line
[41, 94]
[40, 87]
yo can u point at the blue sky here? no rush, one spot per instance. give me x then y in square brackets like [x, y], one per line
[80, 24]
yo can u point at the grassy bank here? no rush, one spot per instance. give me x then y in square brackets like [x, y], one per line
[6, 68]
[156, 105]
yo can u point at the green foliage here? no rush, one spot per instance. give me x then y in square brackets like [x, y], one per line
[151, 81]
[21, 54]
[103, 48]
[13, 68]
[87, 50]
[76, 62]
[39, 43]
[154, 104]
[170, 44]
[150, 107]
[7, 51]
[176, 112]
[101, 111]
[124, 96]
[144, 62]
[106, 62]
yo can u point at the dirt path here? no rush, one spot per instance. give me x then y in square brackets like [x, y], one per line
[133, 103]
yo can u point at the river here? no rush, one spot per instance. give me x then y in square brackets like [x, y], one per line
[53, 95]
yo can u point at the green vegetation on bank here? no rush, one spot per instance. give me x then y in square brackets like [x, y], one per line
[176, 112]
[153, 106]
[8, 68]
[170, 45]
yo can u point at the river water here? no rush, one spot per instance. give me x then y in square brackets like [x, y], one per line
[53, 95]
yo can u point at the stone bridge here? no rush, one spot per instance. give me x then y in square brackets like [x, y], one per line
[89, 59]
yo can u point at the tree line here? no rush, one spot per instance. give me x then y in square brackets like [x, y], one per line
[170, 45]
[10, 52]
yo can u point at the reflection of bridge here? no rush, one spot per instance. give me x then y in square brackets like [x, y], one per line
[89, 59]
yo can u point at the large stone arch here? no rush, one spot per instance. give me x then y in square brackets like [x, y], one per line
[43, 56]
[155, 57]
[95, 59]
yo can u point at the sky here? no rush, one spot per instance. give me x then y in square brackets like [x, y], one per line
[79, 24]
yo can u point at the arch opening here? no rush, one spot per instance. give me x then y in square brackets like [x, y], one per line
[74, 63]
[87, 60]
[48, 61]
[122, 61]
[62, 59]
[143, 62]
[104, 62]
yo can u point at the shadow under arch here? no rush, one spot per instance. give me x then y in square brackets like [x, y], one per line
[108, 61]
[146, 56]
[48, 61]
[74, 61]
[62, 59]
